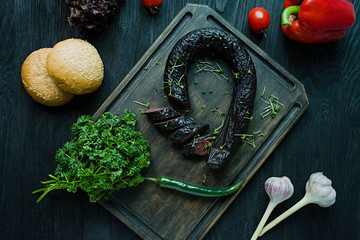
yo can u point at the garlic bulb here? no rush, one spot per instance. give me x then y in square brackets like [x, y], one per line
[318, 191]
[279, 190]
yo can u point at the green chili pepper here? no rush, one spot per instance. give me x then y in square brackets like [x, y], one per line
[197, 190]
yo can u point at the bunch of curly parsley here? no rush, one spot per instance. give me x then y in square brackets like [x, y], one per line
[105, 156]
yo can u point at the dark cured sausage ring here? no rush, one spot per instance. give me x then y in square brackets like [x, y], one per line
[185, 133]
[161, 114]
[199, 146]
[175, 123]
[230, 48]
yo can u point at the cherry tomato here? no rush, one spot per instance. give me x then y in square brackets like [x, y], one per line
[259, 20]
[150, 4]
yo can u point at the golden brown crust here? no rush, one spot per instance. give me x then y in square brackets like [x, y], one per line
[38, 83]
[75, 66]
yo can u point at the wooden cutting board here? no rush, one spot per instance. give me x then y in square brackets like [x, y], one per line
[156, 213]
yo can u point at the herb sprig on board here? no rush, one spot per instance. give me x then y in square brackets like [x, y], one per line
[105, 156]
[273, 105]
[250, 138]
[205, 65]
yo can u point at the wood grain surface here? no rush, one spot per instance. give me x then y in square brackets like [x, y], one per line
[325, 139]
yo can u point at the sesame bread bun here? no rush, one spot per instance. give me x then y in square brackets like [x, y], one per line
[38, 83]
[75, 66]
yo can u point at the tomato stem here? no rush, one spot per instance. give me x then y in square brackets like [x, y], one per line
[263, 32]
[155, 10]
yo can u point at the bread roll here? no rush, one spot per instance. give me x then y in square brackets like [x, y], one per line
[75, 66]
[38, 83]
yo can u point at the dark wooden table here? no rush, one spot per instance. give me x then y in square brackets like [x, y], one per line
[327, 137]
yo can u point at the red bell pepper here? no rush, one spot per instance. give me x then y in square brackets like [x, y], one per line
[288, 3]
[315, 21]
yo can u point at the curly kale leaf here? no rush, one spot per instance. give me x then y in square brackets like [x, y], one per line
[104, 156]
[93, 16]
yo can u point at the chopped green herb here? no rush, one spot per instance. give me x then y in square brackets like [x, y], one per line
[147, 66]
[105, 156]
[204, 179]
[215, 109]
[216, 130]
[250, 118]
[143, 104]
[273, 106]
[180, 85]
[205, 65]
[207, 145]
[249, 138]
[262, 94]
